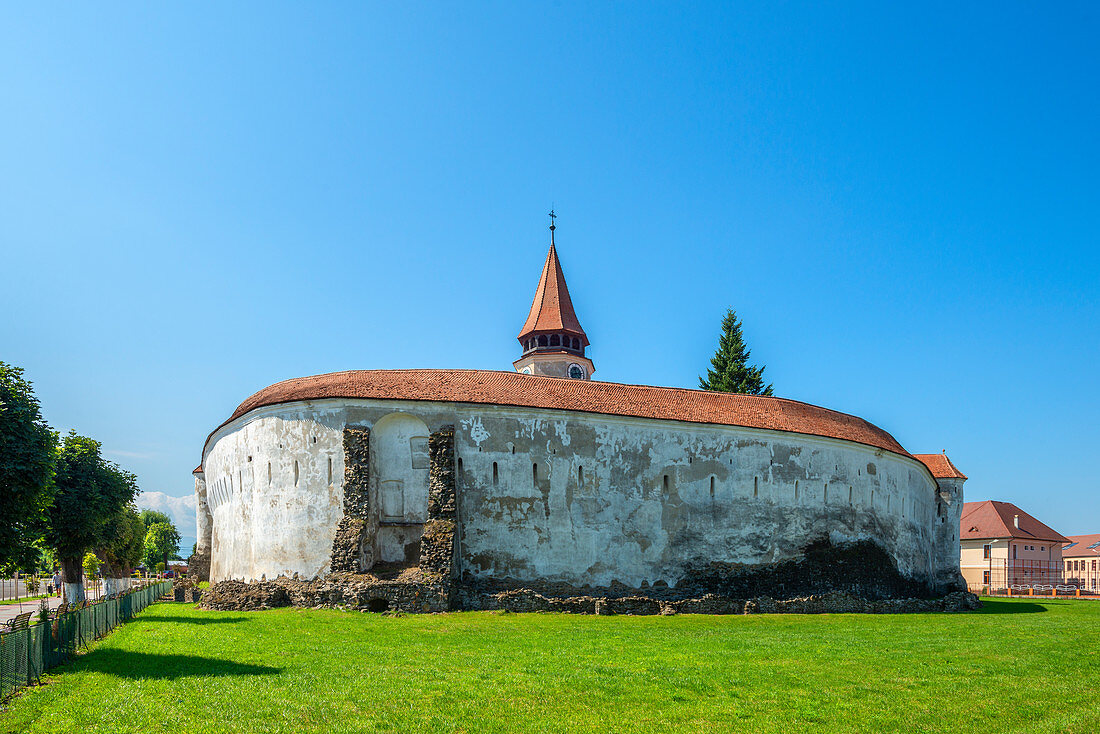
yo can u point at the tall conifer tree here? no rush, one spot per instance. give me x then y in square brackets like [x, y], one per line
[730, 370]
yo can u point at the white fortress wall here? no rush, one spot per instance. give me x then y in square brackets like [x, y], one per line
[592, 499]
[580, 498]
[274, 485]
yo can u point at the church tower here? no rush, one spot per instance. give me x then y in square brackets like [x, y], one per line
[552, 339]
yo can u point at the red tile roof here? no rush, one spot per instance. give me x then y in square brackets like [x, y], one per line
[1080, 547]
[993, 519]
[198, 469]
[552, 309]
[609, 398]
[940, 466]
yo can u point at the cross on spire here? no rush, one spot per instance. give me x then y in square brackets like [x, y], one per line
[553, 216]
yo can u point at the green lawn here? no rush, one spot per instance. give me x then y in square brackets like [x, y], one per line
[1029, 666]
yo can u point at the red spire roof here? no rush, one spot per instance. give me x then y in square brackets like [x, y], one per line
[552, 310]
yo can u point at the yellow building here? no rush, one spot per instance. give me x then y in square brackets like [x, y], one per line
[1082, 562]
[1002, 546]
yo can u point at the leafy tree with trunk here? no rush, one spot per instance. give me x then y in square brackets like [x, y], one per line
[730, 370]
[152, 517]
[90, 564]
[90, 493]
[122, 549]
[161, 540]
[28, 460]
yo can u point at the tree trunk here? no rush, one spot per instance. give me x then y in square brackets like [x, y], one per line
[115, 585]
[72, 576]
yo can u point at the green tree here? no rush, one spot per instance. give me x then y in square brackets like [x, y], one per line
[90, 492]
[90, 564]
[152, 517]
[730, 370]
[122, 548]
[28, 460]
[161, 540]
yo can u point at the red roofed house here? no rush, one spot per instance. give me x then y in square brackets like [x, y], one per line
[1081, 559]
[1003, 546]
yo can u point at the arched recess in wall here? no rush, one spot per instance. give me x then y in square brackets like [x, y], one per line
[399, 460]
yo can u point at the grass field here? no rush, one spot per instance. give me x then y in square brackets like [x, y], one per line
[1018, 665]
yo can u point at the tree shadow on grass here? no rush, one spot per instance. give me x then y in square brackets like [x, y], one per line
[997, 606]
[188, 620]
[155, 666]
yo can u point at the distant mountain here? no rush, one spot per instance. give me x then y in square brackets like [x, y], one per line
[180, 509]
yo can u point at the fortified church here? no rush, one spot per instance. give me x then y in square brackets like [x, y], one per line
[437, 489]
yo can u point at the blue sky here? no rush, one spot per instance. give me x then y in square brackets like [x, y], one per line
[196, 202]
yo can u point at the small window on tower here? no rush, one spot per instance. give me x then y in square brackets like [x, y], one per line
[555, 340]
[542, 341]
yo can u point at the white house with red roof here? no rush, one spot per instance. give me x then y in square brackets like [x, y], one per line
[1002, 546]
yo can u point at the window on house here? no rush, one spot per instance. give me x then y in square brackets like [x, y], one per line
[1014, 553]
[985, 577]
[986, 550]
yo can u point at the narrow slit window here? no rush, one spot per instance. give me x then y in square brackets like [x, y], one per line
[496, 475]
[535, 475]
[712, 486]
[756, 486]
[580, 477]
[330, 470]
[296, 472]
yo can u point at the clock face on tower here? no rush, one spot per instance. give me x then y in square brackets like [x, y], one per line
[576, 372]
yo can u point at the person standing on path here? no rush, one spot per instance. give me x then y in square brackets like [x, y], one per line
[57, 582]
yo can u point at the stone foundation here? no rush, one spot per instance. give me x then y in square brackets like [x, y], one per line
[829, 578]
[371, 594]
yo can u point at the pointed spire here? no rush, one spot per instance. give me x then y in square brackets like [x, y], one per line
[552, 309]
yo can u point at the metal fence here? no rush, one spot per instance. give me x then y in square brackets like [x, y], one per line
[26, 654]
[1000, 575]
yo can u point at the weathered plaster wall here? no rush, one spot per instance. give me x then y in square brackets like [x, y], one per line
[274, 486]
[199, 563]
[946, 545]
[580, 499]
[586, 499]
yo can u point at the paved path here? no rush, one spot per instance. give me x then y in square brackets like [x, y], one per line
[8, 611]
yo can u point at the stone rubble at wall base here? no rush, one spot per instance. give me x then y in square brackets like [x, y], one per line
[371, 594]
